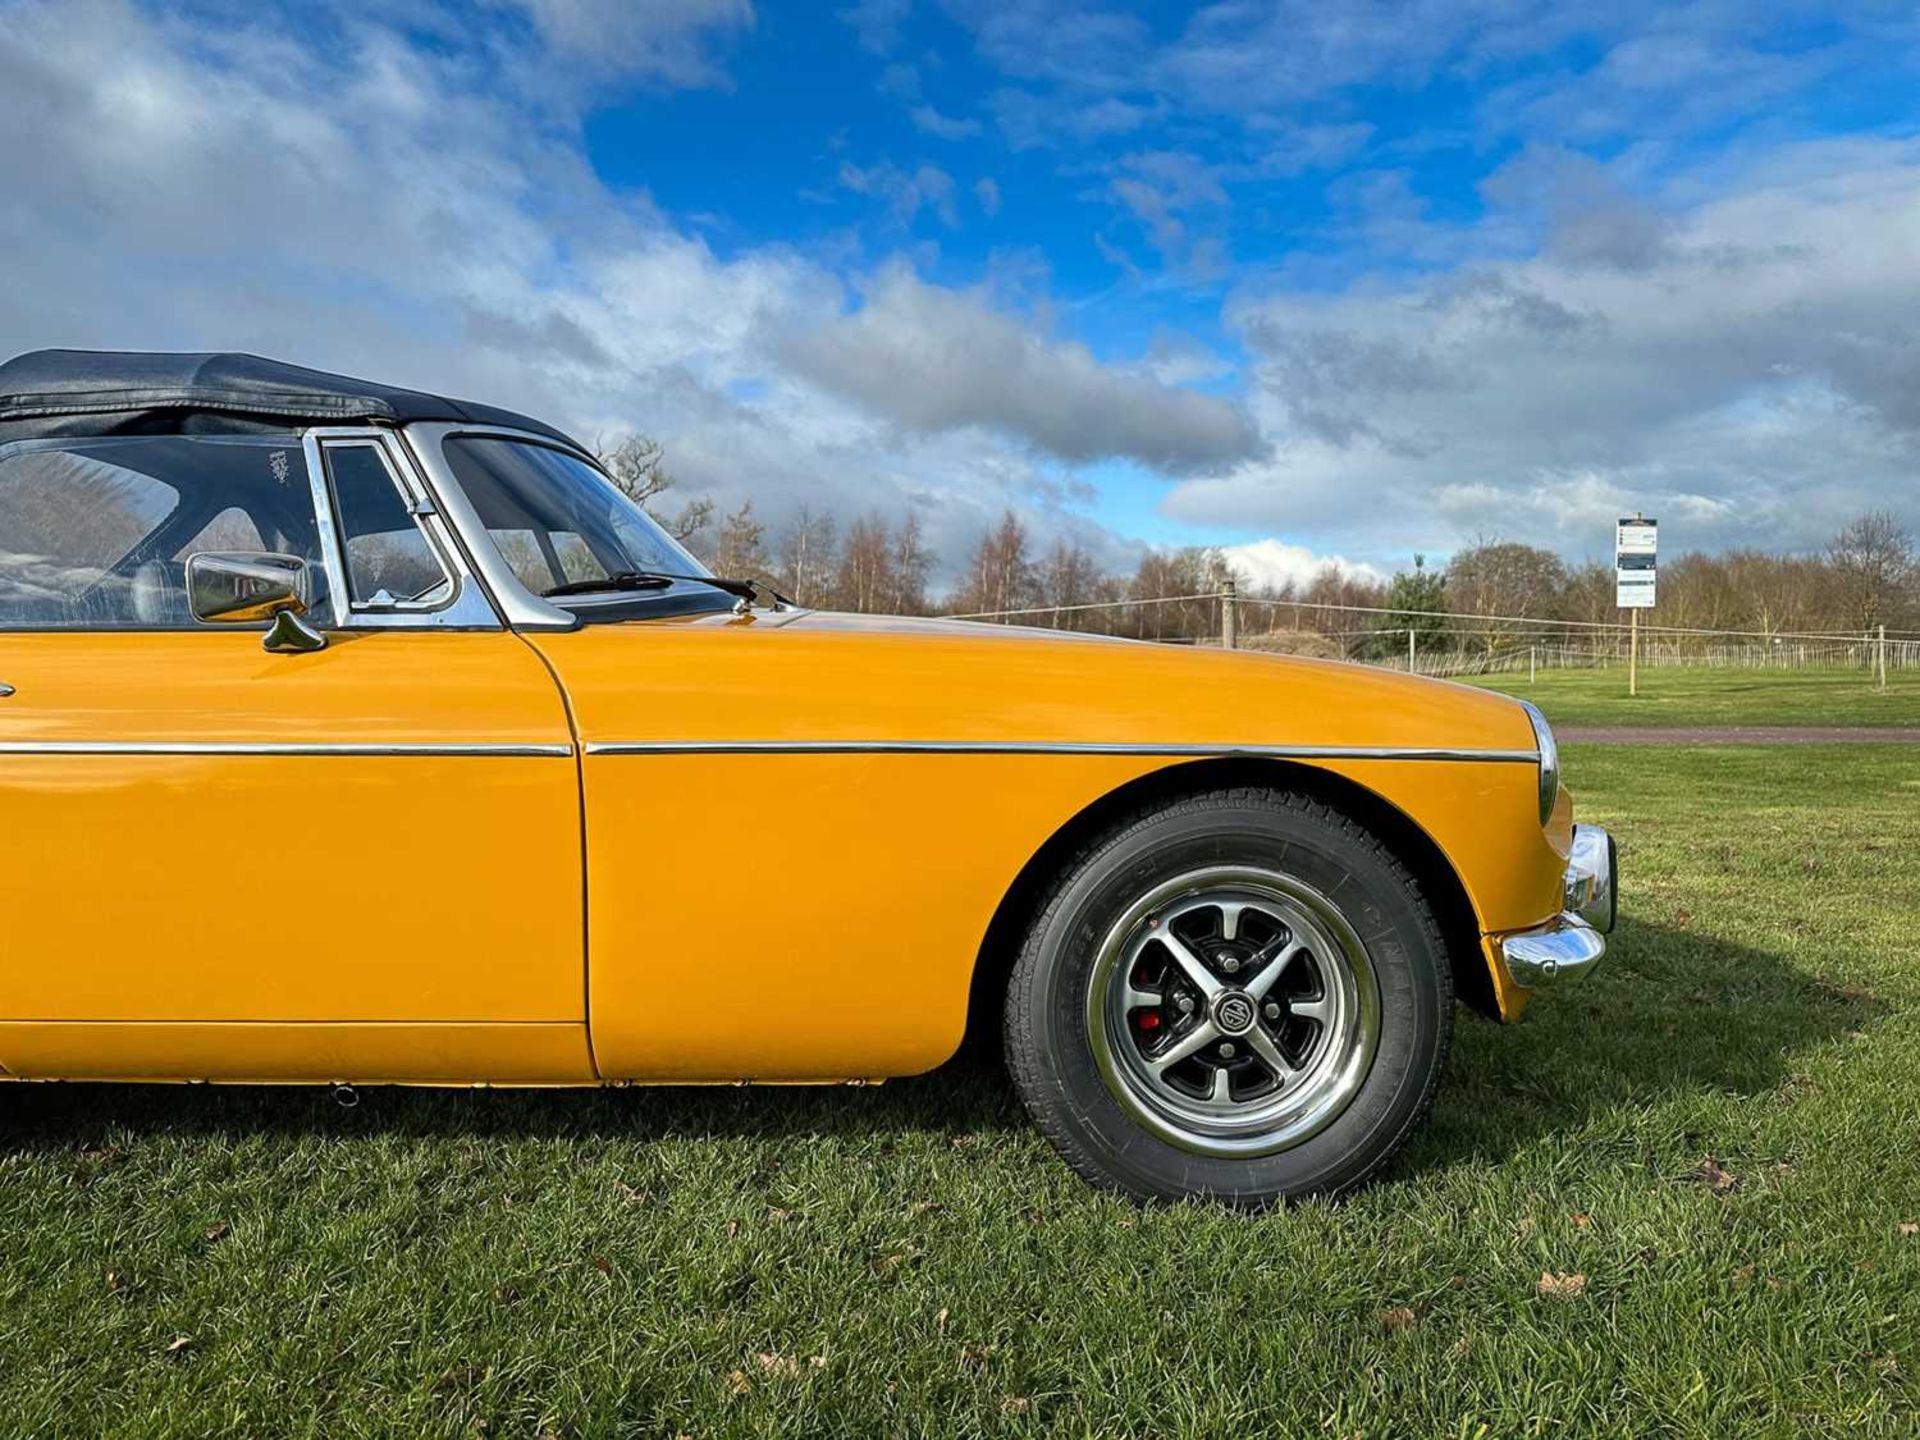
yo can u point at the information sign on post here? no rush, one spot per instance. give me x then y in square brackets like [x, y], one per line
[1636, 542]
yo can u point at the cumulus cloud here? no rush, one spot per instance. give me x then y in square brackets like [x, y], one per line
[377, 207]
[1734, 346]
[1274, 564]
[1233, 80]
[935, 360]
[1749, 364]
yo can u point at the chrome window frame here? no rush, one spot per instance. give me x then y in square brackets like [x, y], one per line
[522, 608]
[468, 605]
[425, 441]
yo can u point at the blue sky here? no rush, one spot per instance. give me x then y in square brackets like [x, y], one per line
[1317, 282]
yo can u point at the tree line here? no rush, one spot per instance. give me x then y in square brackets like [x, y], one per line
[1487, 597]
[1867, 575]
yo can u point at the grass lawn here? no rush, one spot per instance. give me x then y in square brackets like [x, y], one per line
[1718, 697]
[1711, 1151]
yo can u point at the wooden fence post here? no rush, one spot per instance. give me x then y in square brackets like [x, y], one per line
[1229, 626]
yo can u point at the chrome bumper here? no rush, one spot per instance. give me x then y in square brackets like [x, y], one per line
[1570, 945]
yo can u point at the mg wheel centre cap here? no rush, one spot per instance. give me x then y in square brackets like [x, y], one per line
[1234, 1012]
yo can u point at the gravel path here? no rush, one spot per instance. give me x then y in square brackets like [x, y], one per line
[1738, 735]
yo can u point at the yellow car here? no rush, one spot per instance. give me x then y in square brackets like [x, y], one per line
[355, 735]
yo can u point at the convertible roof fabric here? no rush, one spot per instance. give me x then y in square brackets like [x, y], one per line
[66, 394]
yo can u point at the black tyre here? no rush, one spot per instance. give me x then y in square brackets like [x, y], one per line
[1240, 995]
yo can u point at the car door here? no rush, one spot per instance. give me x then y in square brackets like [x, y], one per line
[359, 863]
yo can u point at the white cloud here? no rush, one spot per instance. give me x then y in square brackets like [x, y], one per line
[945, 127]
[666, 40]
[1737, 348]
[877, 22]
[382, 209]
[935, 360]
[904, 193]
[1749, 364]
[1274, 564]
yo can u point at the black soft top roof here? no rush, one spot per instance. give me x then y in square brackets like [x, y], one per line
[63, 394]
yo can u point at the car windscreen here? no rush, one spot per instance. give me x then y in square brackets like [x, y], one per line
[558, 521]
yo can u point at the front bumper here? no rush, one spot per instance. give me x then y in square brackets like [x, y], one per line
[1570, 945]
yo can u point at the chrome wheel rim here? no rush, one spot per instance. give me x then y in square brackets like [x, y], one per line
[1233, 1011]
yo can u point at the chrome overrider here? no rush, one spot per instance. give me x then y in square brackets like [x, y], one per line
[1570, 945]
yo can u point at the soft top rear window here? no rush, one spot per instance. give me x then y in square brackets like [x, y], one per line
[95, 534]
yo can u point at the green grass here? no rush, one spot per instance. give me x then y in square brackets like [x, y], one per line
[1718, 1132]
[1718, 697]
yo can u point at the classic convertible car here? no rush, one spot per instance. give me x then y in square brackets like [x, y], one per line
[351, 734]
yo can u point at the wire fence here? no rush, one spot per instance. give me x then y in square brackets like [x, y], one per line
[1456, 643]
[1862, 654]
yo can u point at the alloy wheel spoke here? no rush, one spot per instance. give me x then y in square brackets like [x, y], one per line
[1294, 997]
[1321, 1009]
[1201, 1036]
[1274, 968]
[1190, 964]
[1230, 913]
[1263, 1046]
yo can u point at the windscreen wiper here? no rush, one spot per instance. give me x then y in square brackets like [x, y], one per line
[745, 590]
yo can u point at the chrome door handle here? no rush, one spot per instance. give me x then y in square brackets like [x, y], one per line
[5, 689]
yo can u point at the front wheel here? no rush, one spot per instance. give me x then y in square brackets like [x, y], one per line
[1240, 995]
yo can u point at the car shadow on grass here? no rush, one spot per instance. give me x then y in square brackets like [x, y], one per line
[1671, 1012]
[970, 1095]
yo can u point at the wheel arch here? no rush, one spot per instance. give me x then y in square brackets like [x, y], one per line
[1410, 843]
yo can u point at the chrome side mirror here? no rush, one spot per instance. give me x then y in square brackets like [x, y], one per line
[245, 588]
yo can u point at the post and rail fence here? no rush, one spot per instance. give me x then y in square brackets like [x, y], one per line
[1459, 643]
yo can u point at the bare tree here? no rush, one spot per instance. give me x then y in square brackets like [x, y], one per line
[1157, 578]
[1588, 594]
[1183, 583]
[1496, 580]
[738, 550]
[1067, 578]
[638, 466]
[808, 556]
[1869, 575]
[911, 561]
[1874, 570]
[999, 577]
[1775, 592]
[865, 582]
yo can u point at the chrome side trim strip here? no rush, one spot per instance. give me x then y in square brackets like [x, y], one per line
[761, 747]
[222, 747]
[1044, 747]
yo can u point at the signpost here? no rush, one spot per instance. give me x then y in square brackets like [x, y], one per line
[1635, 542]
